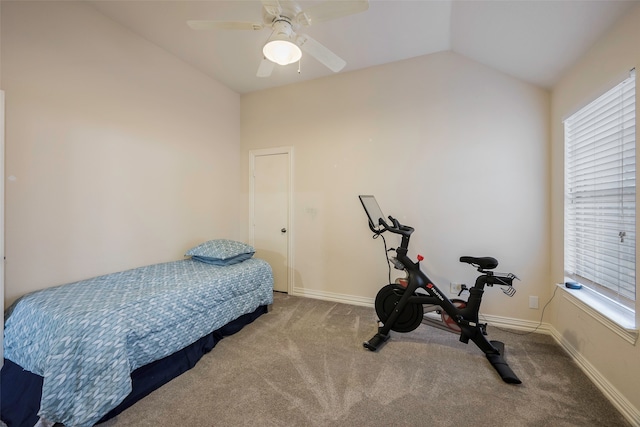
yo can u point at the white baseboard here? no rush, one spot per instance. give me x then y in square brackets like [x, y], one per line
[618, 400]
[517, 324]
[625, 407]
[330, 296]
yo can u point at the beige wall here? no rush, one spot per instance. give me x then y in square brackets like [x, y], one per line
[451, 147]
[118, 154]
[605, 65]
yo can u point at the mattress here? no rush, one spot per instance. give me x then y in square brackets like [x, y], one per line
[85, 338]
[21, 390]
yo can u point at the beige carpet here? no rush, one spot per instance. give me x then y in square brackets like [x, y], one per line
[303, 364]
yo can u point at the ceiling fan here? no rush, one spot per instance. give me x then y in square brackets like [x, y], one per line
[284, 17]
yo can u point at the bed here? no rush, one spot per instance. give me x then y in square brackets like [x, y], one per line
[83, 346]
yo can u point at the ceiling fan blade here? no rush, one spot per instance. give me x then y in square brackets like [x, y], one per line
[329, 10]
[224, 25]
[321, 53]
[272, 7]
[265, 68]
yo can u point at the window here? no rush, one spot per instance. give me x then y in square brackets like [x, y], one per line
[600, 194]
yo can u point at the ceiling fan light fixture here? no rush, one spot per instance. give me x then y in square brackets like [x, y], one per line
[280, 48]
[282, 52]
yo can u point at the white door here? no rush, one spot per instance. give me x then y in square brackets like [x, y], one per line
[271, 198]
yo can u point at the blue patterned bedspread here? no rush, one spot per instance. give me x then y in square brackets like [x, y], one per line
[85, 338]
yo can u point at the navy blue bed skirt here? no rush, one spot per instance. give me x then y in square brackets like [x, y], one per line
[21, 390]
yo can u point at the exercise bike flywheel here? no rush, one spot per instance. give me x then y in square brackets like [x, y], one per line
[386, 301]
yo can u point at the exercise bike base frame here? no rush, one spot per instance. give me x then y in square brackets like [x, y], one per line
[376, 342]
[474, 331]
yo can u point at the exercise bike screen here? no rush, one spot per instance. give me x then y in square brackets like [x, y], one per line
[373, 211]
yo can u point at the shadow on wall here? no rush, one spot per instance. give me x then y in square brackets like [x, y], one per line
[571, 338]
[278, 263]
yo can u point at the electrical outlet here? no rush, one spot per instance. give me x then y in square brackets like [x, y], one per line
[455, 287]
[533, 302]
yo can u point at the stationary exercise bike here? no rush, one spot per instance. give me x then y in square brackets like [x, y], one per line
[401, 306]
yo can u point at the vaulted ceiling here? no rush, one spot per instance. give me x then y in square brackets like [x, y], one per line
[531, 40]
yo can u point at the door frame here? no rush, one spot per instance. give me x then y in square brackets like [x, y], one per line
[2, 260]
[290, 225]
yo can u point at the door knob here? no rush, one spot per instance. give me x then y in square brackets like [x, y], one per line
[284, 230]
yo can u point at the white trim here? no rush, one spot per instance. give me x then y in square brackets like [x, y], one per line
[618, 400]
[2, 222]
[330, 296]
[595, 305]
[498, 321]
[516, 324]
[290, 225]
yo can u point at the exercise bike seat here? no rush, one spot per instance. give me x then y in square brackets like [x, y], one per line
[485, 263]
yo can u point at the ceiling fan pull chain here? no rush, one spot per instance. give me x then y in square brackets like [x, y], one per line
[299, 61]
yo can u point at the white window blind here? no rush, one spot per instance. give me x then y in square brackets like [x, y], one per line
[600, 194]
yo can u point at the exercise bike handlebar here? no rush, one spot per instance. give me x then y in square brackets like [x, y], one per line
[397, 228]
